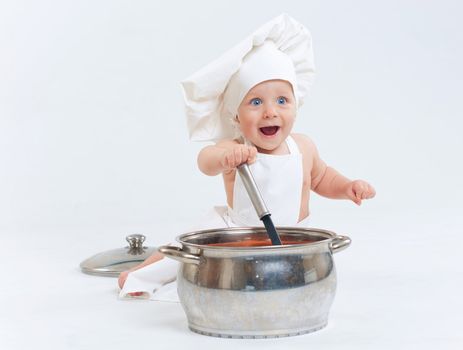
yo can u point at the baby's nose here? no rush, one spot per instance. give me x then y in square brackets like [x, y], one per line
[270, 112]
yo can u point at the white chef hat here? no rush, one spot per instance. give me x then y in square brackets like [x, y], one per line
[280, 49]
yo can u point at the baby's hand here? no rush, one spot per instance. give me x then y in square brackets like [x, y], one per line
[237, 155]
[358, 190]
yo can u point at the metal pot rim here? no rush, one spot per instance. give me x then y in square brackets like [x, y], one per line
[324, 236]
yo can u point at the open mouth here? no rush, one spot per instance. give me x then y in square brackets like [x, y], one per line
[269, 130]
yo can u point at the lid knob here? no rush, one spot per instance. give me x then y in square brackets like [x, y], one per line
[135, 241]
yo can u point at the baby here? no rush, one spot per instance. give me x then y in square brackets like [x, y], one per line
[265, 119]
[247, 103]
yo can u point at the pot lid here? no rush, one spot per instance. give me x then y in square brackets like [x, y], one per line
[113, 262]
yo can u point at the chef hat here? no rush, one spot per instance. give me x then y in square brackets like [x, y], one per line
[280, 49]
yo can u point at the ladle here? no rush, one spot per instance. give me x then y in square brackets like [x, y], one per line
[258, 203]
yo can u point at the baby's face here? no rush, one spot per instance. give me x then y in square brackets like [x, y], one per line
[266, 115]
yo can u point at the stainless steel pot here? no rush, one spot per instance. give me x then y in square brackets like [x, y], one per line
[256, 292]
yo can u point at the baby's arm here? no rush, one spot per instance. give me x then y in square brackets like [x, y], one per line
[328, 182]
[224, 157]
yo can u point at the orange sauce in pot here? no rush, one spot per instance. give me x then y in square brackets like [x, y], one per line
[258, 243]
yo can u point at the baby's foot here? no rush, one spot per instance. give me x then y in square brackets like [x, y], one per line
[123, 275]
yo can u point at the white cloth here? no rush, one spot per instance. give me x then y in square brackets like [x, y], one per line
[280, 49]
[154, 280]
[279, 178]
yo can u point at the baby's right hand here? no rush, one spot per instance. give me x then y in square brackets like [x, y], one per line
[238, 155]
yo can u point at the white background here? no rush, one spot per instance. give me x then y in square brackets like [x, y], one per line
[93, 146]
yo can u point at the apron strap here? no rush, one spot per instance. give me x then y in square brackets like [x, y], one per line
[292, 145]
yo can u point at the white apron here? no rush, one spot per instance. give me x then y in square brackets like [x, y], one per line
[279, 179]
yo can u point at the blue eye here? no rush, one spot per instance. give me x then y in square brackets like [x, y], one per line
[281, 100]
[256, 101]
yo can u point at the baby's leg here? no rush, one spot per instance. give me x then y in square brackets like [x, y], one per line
[156, 256]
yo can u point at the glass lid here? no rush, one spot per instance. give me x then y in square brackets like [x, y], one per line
[113, 262]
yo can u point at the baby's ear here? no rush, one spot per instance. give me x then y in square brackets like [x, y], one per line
[237, 119]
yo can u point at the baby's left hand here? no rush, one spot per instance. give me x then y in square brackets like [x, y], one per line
[358, 189]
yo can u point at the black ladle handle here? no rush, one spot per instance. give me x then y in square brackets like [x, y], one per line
[258, 202]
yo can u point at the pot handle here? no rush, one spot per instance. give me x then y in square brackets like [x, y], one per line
[339, 243]
[177, 253]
